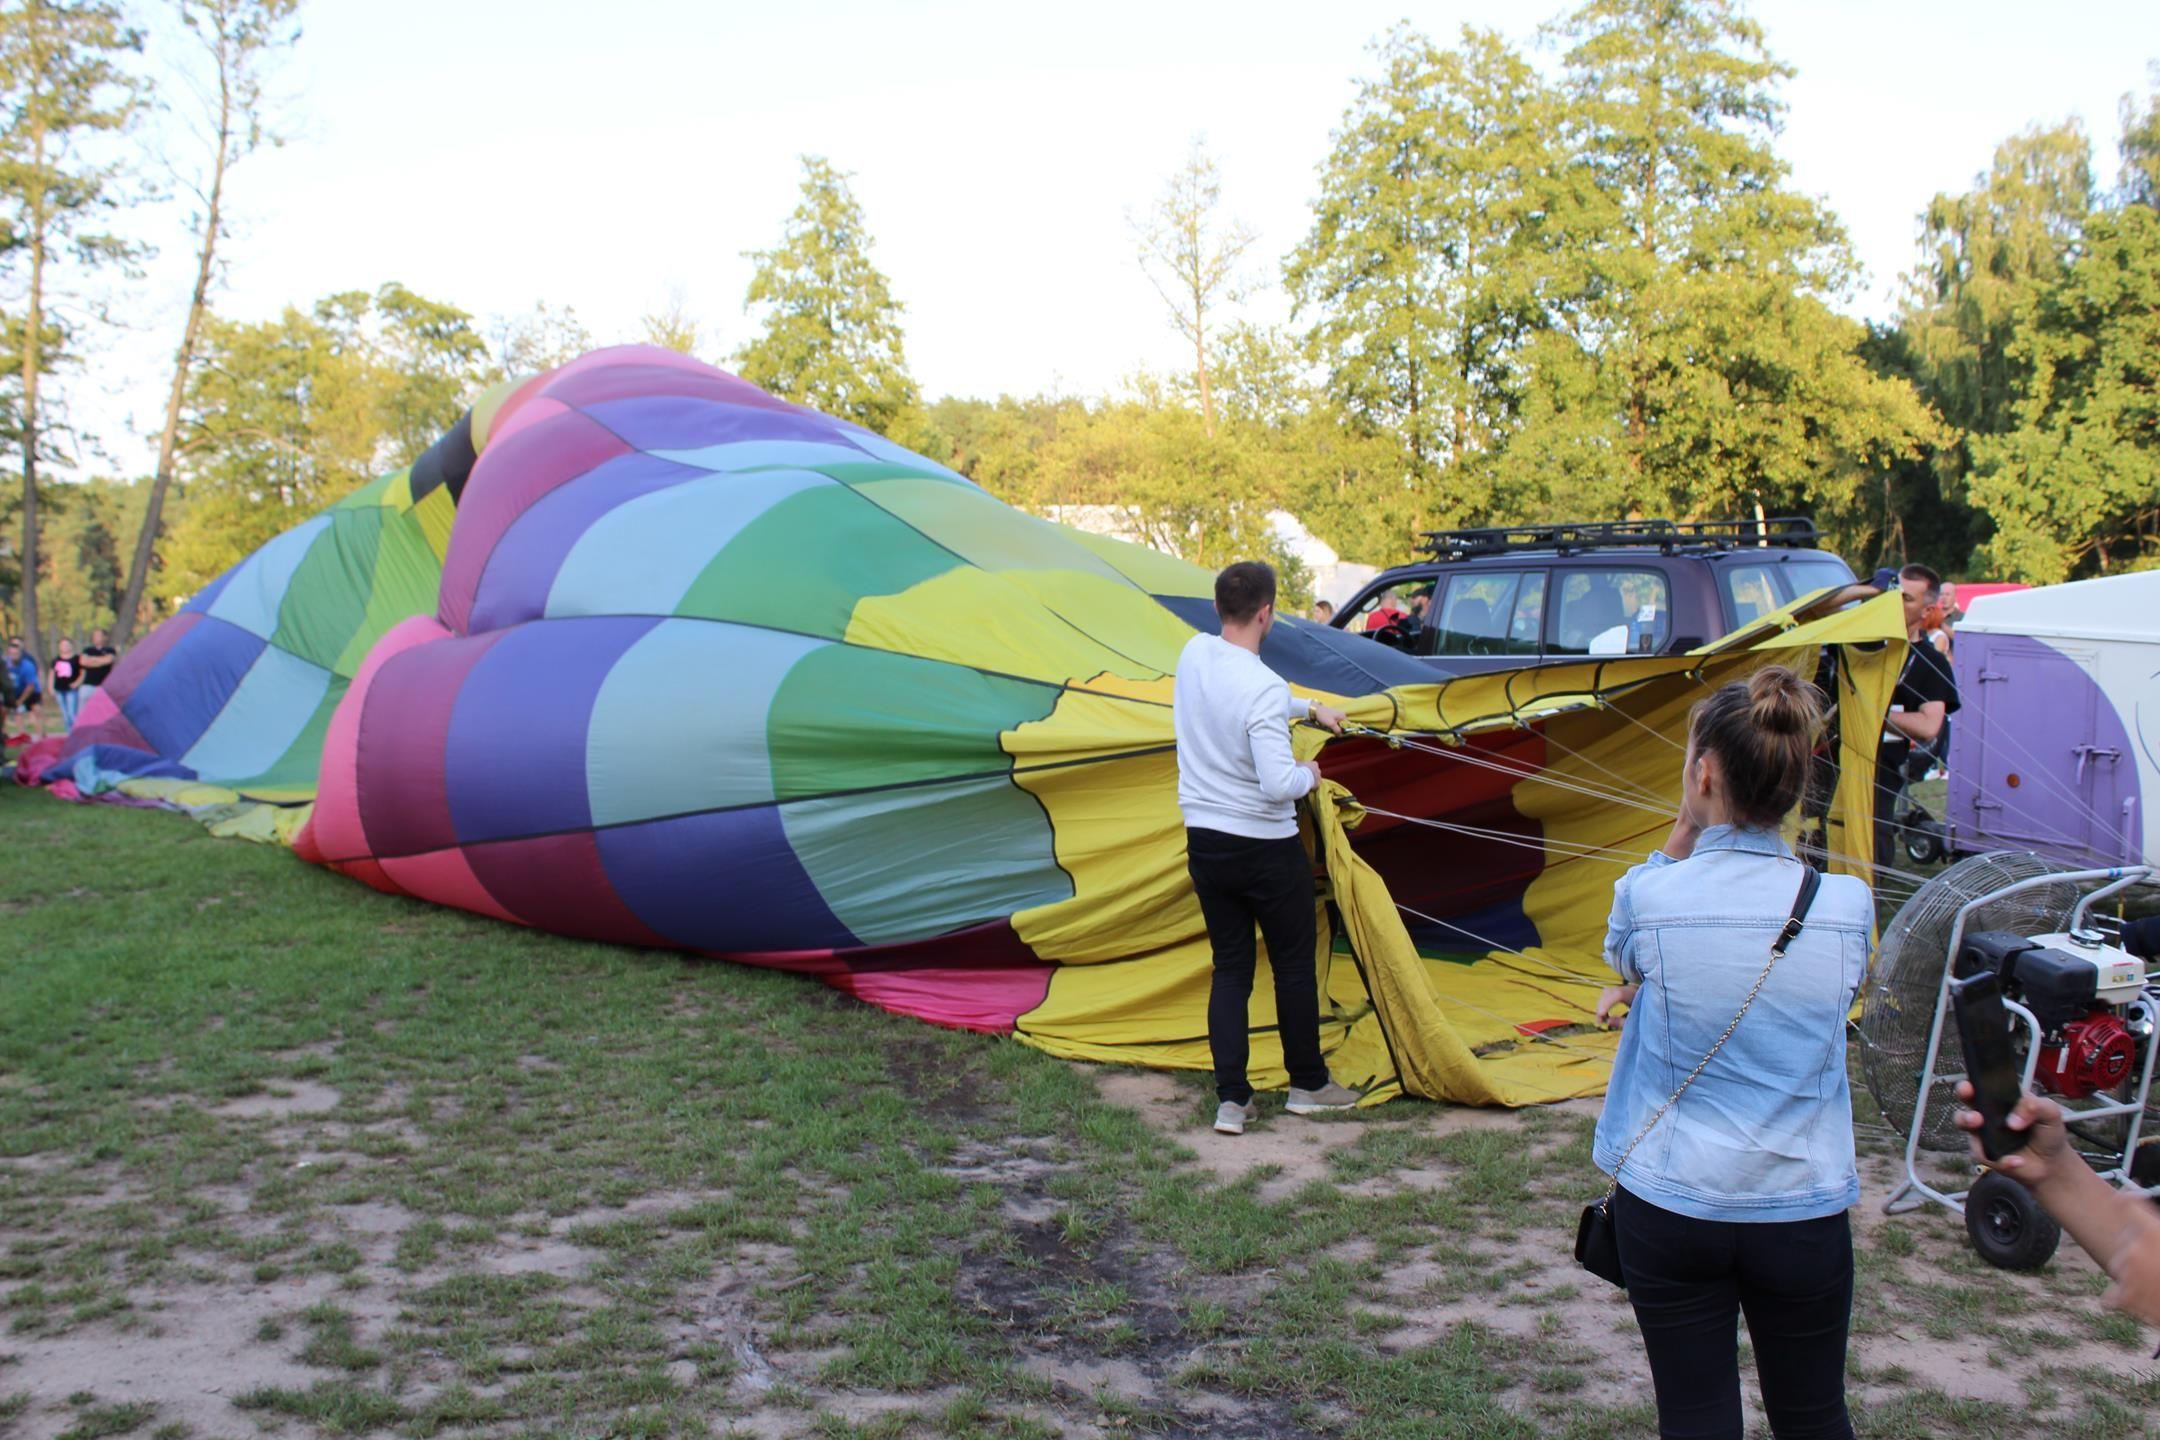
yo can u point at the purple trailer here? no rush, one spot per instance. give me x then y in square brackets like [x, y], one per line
[2057, 748]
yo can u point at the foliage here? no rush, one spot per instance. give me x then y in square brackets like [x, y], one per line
[1984, 255]
[1573, 291]
[537, 340]
[83, 578]
[1421, 270]
[673, 327]
[65, 79]
[286, 416]
[2075, 486]
[831, 328]
[1595, 298]
[1695, 367]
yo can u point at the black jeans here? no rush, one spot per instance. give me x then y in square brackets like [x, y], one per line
[1690, 1279]
[1241, 882]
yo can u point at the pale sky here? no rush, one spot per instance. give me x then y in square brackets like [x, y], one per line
[598, 156]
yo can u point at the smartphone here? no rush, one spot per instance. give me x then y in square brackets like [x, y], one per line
[1984, 1030]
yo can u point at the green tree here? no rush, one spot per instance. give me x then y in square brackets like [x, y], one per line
[1698, 368]
[672, 326]
[2074, 487]
[1985, 255]
[428, 358]
[1420, 275]
[537, 341]
[831, 329]
[1191, 254]
[999, 444]
[239, 39]
[288, 415]
[1346, 482]
[84, 580]
[63, 65]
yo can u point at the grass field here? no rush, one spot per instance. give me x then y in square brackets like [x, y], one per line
[278, 1153]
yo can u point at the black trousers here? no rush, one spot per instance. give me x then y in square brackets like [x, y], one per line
[1242, 883]
[1690, 1280]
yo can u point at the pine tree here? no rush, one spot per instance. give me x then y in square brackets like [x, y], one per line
[63, 65]
[831, 336]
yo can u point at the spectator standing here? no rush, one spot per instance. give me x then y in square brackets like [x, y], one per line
[1920, 707]
[1238, 786]
[98, 658]
[1323, 611]
[28, 696]
[1732, 1190]
[67, 677]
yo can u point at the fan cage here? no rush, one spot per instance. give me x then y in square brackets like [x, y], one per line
[1898, 1000]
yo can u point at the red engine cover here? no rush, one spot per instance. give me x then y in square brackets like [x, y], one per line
[2097, 1053]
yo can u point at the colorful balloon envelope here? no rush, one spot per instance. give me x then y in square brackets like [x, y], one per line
[641, 654]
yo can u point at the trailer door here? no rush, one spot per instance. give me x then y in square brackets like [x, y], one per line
[2029, 766]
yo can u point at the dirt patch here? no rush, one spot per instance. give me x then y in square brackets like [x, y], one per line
[1287, 1152]
[947, 1093]
[190, 1356]
[284, 1098]
[541, 1257]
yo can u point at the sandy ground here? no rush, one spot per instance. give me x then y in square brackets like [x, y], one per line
[212, 1332]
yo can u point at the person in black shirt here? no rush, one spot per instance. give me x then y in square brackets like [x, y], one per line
[97, 660]
[1920, 708]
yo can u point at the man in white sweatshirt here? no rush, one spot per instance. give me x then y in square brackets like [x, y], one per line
[1238, 786]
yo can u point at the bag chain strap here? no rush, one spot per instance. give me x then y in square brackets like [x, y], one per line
[1777, 952]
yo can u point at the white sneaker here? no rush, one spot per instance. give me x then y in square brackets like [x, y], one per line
[1330, 1096]
[1231, 1118]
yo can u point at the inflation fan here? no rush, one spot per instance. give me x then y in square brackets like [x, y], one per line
[2085, 1026]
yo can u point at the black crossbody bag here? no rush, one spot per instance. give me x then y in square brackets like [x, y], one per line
[1597, 1247]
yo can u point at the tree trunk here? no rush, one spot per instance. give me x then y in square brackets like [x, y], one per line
[183, 361]
[1207, 393]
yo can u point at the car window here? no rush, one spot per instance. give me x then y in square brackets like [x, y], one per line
[1367, 617]
[1477, 614]
[1804, 575]
[1527, 632]
[1612, 612]
[1751, 592]
[1397, 609]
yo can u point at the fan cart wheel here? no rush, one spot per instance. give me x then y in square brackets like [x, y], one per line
[2007, 1225]
[1923, 838]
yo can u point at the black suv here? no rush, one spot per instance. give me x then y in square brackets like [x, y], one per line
[1500, 598]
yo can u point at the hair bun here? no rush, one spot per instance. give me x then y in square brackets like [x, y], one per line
[1782, 703]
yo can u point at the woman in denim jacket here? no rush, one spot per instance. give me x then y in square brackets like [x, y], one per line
[1735, 1201]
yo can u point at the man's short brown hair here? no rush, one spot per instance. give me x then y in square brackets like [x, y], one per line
[1243, 590]
[1922, 572]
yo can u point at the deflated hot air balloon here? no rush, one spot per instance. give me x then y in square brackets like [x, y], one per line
[641, 654]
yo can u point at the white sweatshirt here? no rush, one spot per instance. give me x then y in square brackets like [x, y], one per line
[1232, 715]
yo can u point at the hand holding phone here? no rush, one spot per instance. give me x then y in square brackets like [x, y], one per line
[1984, 1032]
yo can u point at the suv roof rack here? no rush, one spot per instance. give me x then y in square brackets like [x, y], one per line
[1669, 537]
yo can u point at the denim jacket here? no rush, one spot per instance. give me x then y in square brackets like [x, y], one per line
[1765, 1133]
